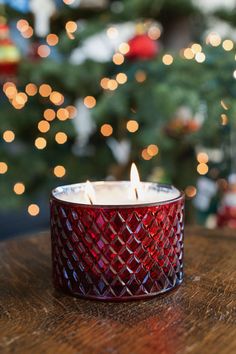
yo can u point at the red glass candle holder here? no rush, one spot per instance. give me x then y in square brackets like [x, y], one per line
[117, 252]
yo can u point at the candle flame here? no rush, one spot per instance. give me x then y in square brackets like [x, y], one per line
[134, 179]
[90, 192]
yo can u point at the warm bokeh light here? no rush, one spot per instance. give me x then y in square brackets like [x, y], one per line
[90, 101]
[196, 48]
[56, 98]
[21, 98]
[19, 188]
[132, 126]
[7, 85]
[202, 168]
[188, 53]
[62, 114]
[152, 150]
[118, 58]
[49, 114]
[71, 26]
[68, 2]
[124, 48]
[61, 138]
[202, 157]
[72, 111]
[40, 143]
[45, 90]
[3, 167]
[11, 92]
[154, 33]
[190, 191]
[224, 119]
[213, 39]
[8, 136]
[59, 171]
[33, 209]
[145, 155]
[228, 45]
[28, 33]
[140, 76]
[104, 83]
[200, 57]
[31, 89]
[121, 78]
[22, 25]
[44, 51]
[112, 32]
[167, 59]
[224, 105]
[52, 39]
[106, 130]
[112, 85]
[43, 126]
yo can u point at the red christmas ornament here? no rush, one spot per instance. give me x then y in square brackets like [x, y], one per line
[142, 47]
[226, 216]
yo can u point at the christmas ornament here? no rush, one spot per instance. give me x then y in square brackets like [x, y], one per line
[183, 123]
[9, 54]
[120, 150]
[226, 216]
[42, 10]
[142, 47]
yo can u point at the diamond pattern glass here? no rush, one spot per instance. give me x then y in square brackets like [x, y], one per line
[117, 253]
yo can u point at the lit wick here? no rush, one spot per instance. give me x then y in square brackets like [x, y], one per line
[90, 192]
[134, 179]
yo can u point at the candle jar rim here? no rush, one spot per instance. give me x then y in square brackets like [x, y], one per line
[161, 186]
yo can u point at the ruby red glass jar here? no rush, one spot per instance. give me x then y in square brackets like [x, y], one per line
[117, 252]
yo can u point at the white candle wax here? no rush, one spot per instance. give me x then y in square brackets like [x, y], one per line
[117, 193]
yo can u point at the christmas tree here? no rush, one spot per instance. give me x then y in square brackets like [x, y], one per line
[100, 84]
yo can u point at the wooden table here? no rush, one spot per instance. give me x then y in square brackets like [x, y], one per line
[199, 317]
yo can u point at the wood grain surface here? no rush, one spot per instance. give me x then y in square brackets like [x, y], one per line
[199, 317]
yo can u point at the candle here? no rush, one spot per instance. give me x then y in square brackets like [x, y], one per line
[117, 240]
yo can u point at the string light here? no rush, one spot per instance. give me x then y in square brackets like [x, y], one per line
[196, 48]
[52, 39]
[140, 76]
[202, 157]
[202, 168]
[28, 33]
[71, 26]
[118, 58]
[112, 85]
[49, 114]
[21, 98]
[228, 45]
[188, 53]
[40, 143]
[104, 83]
[200, 57]
[152, 150]
[121, 78]
[72, 111]
[31, 89]
[45, 90]
[59, 171]
[190, 191]
[224, 119]
[154, 33]
[167, 59]
[8, 136]
[124, 48]
[3, 167]
[22, 25]
[33, 209]
[11, 91]
[19, 188]
[224, 105]
[44, 50]
[132, 126]
[43, 126]
[145, 155]
[112, 32]
[106, 130]
[62, 114]
[213, 39]
[56, 98]
[90, 101]
[61, 138]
